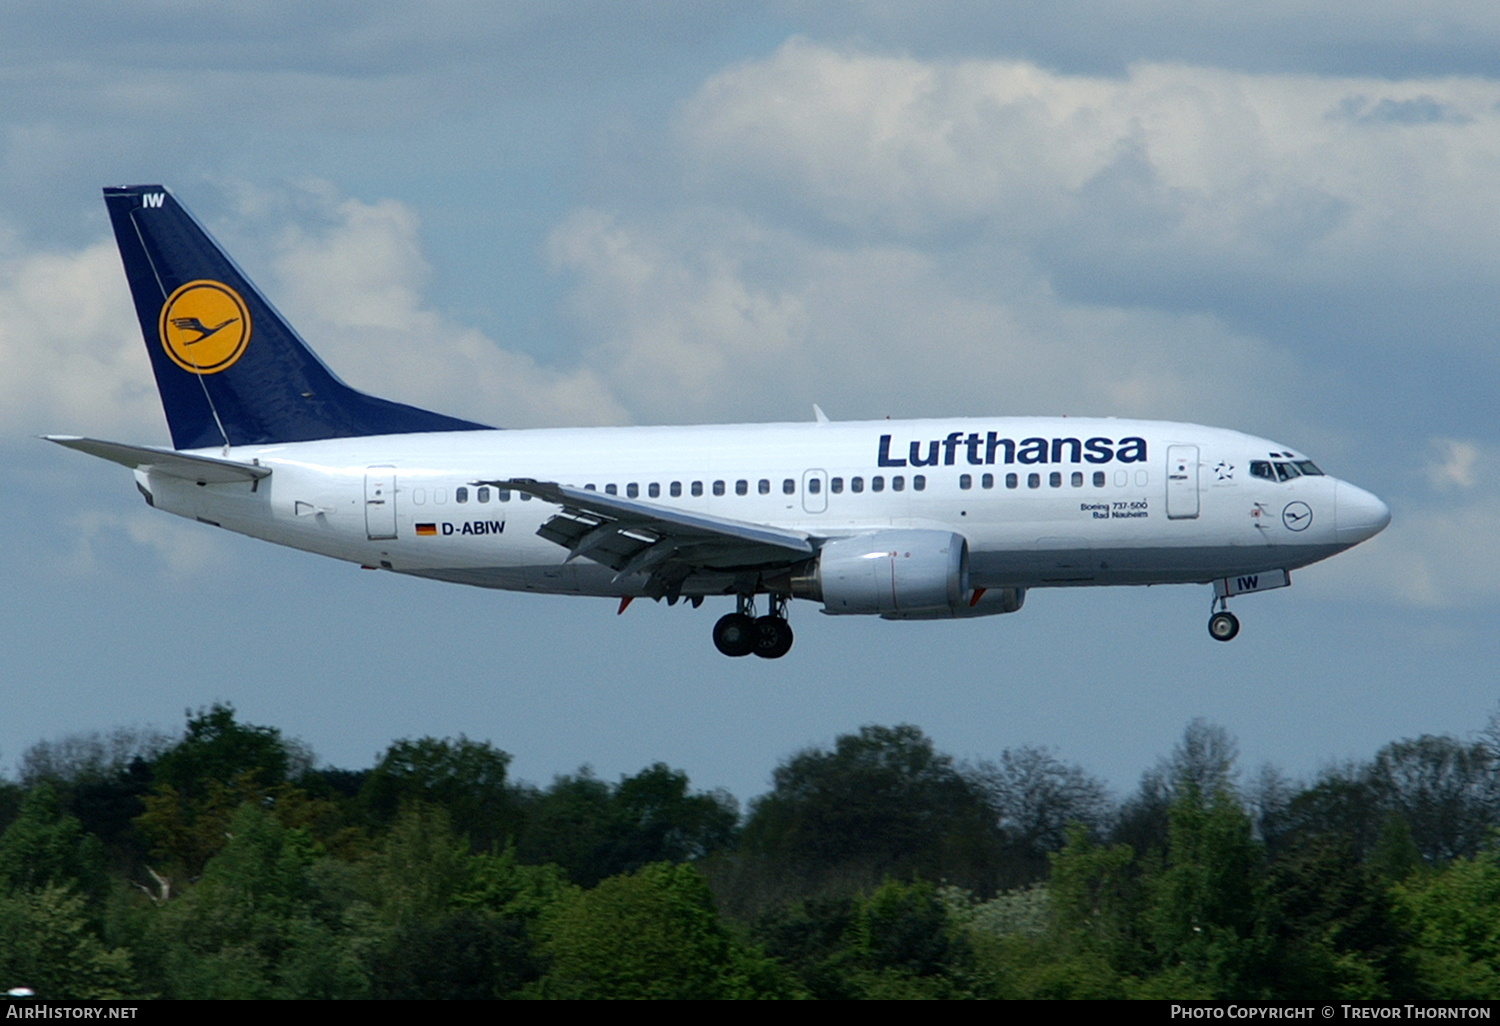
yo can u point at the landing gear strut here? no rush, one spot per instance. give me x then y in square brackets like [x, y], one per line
[741, 632]
[1223, 625]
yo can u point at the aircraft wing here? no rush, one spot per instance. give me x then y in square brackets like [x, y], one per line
[202, 469]
[631, 536]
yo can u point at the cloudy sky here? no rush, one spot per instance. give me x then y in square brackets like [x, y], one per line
[1278, 217]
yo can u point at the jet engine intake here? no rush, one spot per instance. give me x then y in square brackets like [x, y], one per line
[889, 572]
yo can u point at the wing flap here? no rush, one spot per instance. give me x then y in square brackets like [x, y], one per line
[631, 536]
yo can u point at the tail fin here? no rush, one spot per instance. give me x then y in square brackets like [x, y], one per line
[230, 369]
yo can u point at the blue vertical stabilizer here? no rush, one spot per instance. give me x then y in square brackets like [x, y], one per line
[231, 371]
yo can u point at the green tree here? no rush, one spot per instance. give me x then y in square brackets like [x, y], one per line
[48, 944]
[258, 924]
[200, 782]
[215, 747]
[1448, 791]
[1332, 922]
[1206, 915]
[1453, 916]
[438, 922]
[594, 830]
[1036, 798]
[45, 846]
[465, 778]
[653, 935]
[882, 803]
[1095, 895]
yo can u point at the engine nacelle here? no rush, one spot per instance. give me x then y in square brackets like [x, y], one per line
[890, 573]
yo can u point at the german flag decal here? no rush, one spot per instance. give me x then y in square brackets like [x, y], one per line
[426, 529]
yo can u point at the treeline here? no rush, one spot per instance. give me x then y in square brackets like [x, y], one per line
[223, 863]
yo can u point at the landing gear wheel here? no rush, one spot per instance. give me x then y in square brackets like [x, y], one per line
[737, 634]
[1223, 626]
[774, 638]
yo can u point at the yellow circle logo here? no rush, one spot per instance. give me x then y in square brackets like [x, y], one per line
[205, 327]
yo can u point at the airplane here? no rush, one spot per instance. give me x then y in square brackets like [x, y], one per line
[903, 519]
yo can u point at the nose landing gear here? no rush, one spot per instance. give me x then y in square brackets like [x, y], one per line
[741, 632]
[1223, 625]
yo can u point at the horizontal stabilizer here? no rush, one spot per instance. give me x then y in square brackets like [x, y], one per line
[203, 469]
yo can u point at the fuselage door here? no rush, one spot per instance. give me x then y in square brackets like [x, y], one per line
[815, 491]
[380, 502]
[1182, 482]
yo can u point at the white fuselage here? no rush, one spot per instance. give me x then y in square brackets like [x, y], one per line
[1041, 501]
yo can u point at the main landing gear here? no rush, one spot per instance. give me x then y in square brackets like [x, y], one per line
[742, 632]
[1223, 625]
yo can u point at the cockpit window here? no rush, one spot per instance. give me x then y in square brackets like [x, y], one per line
[1279, 470]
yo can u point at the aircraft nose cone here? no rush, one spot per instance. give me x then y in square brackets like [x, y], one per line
[1358, 515]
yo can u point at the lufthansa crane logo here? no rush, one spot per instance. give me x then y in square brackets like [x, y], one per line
[1297, 516]
[205, 327]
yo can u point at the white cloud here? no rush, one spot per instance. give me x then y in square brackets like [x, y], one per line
[1166, 171]
[1442, 549]
[71, 358]
[1455, 464]
[353, 286]
[1381, 37]
[97, 538]
[711, 316]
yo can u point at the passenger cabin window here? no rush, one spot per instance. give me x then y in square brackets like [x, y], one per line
[814, 485]
[504, 495]
[1012, 481]
[877, 483]
[789, 487]
[653, 490]
[919, 482]
[987, 481]
[856, 484]
[1055, 479]
[610, 489]
[632, 490]
[965, 481]
[483, 495]
[742, 487]
[836, 485]
[763, 486]
[697, 488]
[718, 487]
[460, 494]
[1033, 480]
[898, 483]
[1098, 479]
[676, 489]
